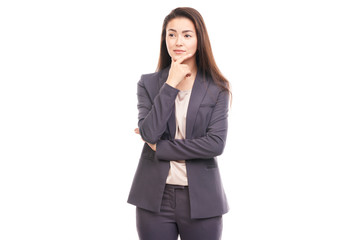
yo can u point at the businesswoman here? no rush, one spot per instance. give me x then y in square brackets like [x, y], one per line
[183, 110]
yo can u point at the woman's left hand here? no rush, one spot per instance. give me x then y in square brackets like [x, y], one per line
[153, 146]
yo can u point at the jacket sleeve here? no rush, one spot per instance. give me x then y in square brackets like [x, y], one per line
[208, 146]
[153, 115]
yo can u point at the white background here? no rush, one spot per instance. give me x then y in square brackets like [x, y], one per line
[69, 70]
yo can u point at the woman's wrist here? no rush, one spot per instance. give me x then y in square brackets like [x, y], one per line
[172, 83]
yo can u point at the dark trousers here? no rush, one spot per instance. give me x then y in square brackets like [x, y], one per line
[174, 219]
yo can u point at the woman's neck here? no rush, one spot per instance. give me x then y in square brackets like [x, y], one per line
[192, 65]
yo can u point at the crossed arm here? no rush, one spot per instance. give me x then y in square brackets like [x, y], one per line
[152, 146]
[153, 121]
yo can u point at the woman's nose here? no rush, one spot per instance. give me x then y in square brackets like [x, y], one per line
[179, 41]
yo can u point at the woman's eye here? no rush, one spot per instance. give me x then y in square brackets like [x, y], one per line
[187, 35]
[171, 35]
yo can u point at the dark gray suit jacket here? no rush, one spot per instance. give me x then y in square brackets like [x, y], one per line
[206, 130]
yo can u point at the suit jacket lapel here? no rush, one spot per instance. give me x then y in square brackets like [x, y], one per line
[197, 95]
[172, 124]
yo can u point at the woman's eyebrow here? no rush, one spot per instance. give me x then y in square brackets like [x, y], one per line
[185, 31]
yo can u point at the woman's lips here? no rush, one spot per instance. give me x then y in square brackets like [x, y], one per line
[179, 51]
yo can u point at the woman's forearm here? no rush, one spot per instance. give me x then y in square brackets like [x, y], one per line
[153, 117]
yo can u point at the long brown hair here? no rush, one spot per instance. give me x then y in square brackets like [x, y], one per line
[204, 57]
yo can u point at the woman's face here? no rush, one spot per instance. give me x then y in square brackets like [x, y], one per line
[181, 37]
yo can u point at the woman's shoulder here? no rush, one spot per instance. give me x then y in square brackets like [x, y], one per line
[154, 77]
[213, 86]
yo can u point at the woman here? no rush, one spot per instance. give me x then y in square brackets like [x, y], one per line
[183, 120]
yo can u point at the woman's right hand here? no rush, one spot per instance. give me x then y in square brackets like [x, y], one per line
[178, 70]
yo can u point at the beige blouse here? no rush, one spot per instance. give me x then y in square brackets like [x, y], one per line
[177, 173]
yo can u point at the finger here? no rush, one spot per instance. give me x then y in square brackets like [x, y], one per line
[181, 59]
[174, 59]
[136, 130]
